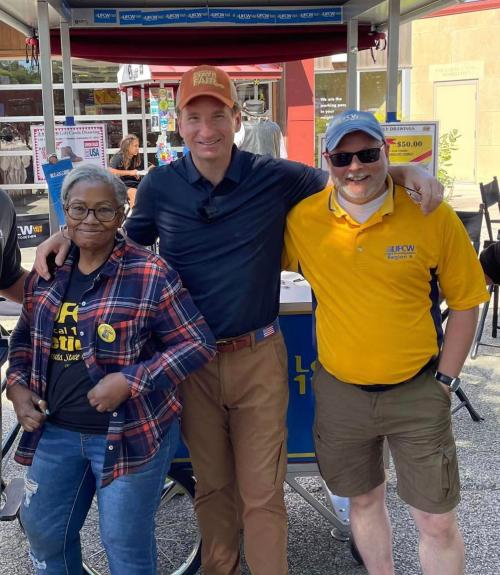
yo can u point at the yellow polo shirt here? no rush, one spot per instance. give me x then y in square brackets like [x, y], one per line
[378, 284]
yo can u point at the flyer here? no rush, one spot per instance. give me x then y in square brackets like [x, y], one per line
[80, 143]
[413, 143]
[54, 175]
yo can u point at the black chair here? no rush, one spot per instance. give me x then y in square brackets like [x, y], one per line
[493, 291]
[473, 222]
[490, 195]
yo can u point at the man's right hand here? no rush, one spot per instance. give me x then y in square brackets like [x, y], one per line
[31, 410]
[57, 244]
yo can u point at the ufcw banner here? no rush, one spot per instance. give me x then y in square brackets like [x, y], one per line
[32, 229]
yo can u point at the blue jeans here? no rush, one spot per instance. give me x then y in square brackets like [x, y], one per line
[60, 485]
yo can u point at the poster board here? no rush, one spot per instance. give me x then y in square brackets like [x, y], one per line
[80, 143]
[54, 175]
[413, 143]
[162, 107]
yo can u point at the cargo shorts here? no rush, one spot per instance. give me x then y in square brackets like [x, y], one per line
[350, 427]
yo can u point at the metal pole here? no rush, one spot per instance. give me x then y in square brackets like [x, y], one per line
[144, 132]
[352, 61]
[47, 91]
[123, 107]
[69, 106]
[392, 61]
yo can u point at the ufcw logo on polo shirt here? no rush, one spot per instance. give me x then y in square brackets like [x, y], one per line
[400, 252]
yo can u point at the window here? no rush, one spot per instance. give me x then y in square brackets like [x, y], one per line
[27, 102]
[97, 101]
[330, 98]
[15, 136]
[86, 71]
[373, 90]
[18, 72]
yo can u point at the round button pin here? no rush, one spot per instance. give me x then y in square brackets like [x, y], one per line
[106, 333]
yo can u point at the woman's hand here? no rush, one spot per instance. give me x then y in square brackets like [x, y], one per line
[31, 410]
[109, 393]
[135, 174]
[57, 244]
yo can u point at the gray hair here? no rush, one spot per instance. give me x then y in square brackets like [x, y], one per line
[97, 175]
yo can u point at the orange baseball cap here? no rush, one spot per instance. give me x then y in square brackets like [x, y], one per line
[206, 81]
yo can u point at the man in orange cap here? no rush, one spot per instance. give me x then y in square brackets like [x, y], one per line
[219, 213]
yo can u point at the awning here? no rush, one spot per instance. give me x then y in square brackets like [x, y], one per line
[476, 6]
[134, 74]
[243, 72]
[217, 46]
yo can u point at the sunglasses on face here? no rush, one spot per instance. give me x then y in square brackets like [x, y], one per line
[342, 159]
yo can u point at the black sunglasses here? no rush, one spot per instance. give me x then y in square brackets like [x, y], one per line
[342, 159]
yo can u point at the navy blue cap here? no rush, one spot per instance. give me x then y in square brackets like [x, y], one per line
[352, 121]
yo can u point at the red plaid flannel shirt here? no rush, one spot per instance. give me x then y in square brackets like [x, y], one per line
[161, 338]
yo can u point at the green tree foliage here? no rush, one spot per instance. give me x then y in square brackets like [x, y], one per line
[18, 73]
[447, 145]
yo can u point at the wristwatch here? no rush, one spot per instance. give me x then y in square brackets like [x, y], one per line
[452, 382]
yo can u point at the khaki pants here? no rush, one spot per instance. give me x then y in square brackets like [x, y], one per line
[234, 423]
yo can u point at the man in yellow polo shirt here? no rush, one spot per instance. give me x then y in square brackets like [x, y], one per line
[378, 268]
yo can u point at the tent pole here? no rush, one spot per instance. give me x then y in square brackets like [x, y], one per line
[352, 63]
[144, 132]
[69, 106]
[47, 92]
[392, 61]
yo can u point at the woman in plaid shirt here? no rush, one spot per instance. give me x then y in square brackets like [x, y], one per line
[94, 364]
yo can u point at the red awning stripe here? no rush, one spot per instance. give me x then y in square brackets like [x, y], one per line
[465, 8]
[243, 72]
[218, 46]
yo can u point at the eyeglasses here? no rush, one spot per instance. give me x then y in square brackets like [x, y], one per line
[80, 212]
[342, 159]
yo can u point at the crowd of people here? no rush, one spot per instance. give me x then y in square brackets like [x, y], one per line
[117, 348]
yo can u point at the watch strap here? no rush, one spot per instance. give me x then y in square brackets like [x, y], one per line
[446, 379]
[452, 382]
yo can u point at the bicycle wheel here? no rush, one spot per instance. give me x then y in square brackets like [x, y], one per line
[177, 535]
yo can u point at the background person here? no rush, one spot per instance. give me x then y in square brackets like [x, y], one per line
[220, 215]
[376, 264]
[12, 275]
[126, 164]
[93, 367]
[490, 262]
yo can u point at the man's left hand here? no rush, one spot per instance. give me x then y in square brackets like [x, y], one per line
[109, 393]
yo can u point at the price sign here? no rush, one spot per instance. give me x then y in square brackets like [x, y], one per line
[413, 143]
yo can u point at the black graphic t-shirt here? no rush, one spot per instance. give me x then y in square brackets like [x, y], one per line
[68, 379]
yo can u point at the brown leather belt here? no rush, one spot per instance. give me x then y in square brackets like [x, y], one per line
[228, 345]
[246, 340]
